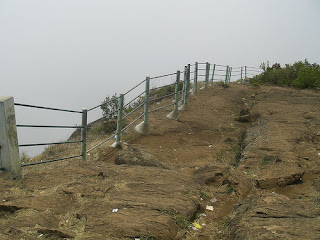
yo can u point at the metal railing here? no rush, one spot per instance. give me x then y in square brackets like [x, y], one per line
[142, 96]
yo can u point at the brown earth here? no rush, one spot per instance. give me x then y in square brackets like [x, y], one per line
[240, 163]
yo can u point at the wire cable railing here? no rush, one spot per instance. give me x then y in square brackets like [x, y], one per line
[146, 100]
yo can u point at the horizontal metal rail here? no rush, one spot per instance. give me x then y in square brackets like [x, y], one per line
[171, 84]
[126, 127]
[48, 126]
[134, 87]
[47, 108]
[132, 111]
[249, 70]
[134, 99]
[166, 75]
[101, 143]
[90, 109]
[159, 98]
[219, 65]
[49, 161]
[220, 70]
[44, 144]
[153, 110]
[254, 67]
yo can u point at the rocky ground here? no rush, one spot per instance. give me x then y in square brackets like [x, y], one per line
[240, 163]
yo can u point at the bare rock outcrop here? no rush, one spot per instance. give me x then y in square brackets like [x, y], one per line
[273, 216]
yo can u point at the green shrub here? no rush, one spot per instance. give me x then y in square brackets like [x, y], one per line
[300, 74]
[109, 107]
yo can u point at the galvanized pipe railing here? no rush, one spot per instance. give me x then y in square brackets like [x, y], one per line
[147, 100]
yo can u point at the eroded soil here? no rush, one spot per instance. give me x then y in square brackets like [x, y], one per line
[240, 163]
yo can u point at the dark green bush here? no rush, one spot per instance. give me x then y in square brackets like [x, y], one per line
[300, 74]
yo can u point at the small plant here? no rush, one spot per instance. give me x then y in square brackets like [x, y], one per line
[220, 155]
[269, 159]
[24, 157]
[183, 222]
[223, 84]
[109, 107]
[226, 222]
[204, 195]
[235, 149]
[230, 190]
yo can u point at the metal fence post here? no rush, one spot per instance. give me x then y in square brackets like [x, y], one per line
[185, 89]
[84, 134]
[185, 97]
[241, 73]
[245, 72]
[9, 150]
[143, 126]
[227, 72]
[230, 71]
[146, 104]
[175, 113]
[119, 121]
[207, 73]
[214, 68]
[184, 84]
[187, 84]
[195, 81]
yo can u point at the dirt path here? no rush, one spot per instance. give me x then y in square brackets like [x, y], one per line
[209, 175]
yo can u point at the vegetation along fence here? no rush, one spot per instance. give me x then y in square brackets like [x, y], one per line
[174, 88]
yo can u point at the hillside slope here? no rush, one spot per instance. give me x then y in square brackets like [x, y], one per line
[240, 163]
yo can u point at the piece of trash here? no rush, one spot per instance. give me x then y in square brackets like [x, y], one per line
[318, 134]
[189, 133]
[115, 210]
[160, 146]
[40, 235]
[3, 200]
[194, 228]
[67, 220]
[210, 146]
[175, 150]
[210, 208]
[273, 192]
[136, 238]
[203, 215]
[201, 199]
[88, 154]
[197, 225]
[319, 154]
[203, 224]
[245, 172]
[213, 200]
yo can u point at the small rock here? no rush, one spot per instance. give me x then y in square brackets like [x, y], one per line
[213, 200]
[210, 208]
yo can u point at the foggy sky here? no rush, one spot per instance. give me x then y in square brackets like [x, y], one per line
[73, 53]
